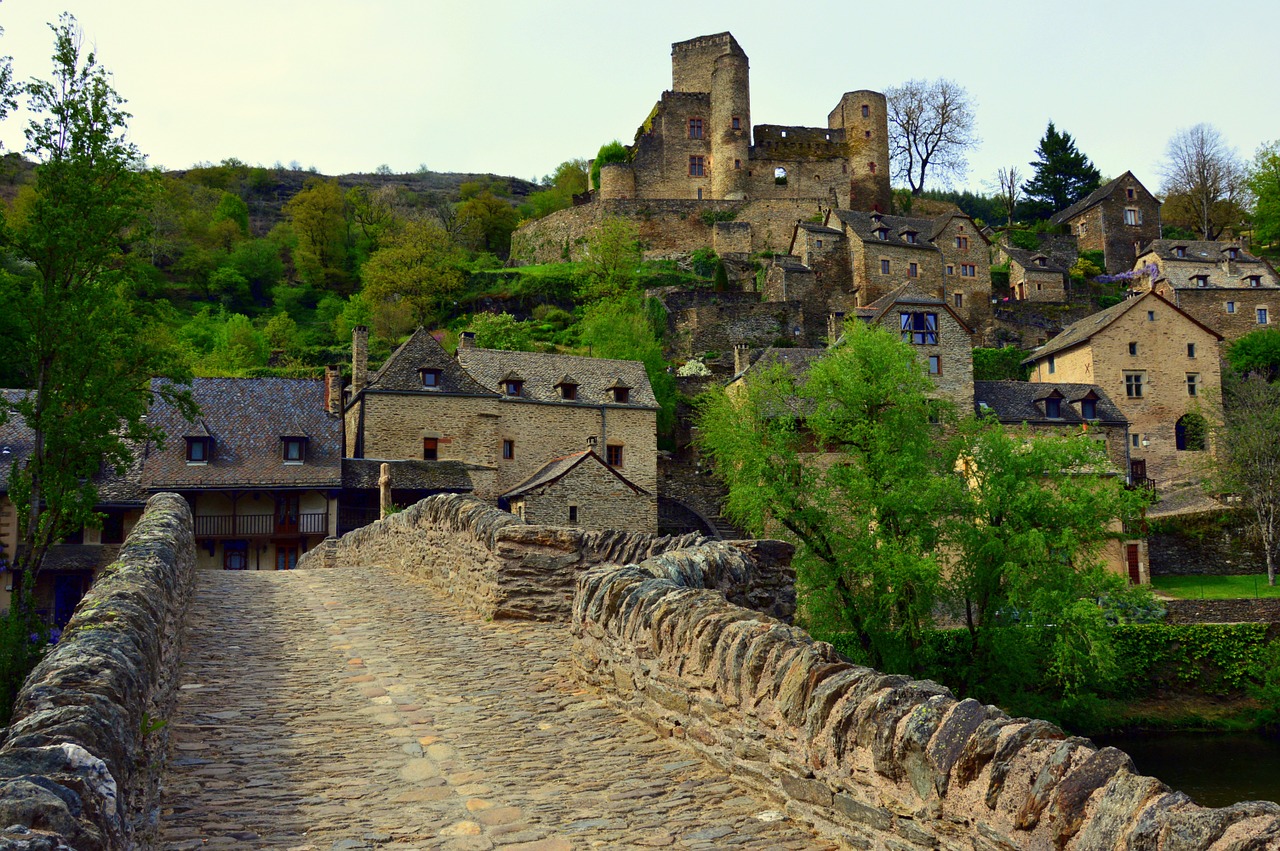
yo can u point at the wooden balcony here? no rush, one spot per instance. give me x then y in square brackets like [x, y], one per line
[260, 525]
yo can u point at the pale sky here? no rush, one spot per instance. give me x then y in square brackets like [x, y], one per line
[514, 87]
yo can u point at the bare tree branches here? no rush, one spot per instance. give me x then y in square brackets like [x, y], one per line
[1204, 181]
[931, 129]
[1010, 181]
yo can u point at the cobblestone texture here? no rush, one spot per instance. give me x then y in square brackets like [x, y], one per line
[352, 708]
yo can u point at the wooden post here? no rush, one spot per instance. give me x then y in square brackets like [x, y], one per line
[384, 492]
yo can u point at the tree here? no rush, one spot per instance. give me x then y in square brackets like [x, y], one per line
[1264, 185]
[78, 335]
[630, 327]
[486, 223]
[1009, 180]
[613, 254]
[1204, 182]
[610, 152]
[931, 130]
[1248, 459]
[569, 179]
[1257, 352]
[999, 364]
[1063, 175]
[501, 331]
[318, 215]
[419, 267]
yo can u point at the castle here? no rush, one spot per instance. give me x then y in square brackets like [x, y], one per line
[698, 142]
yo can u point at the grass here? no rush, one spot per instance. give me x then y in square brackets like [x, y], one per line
[1215, 587]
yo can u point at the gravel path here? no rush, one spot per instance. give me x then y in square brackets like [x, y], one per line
[349, 709]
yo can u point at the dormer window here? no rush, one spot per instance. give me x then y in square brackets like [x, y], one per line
[910, 237]
[199, 450]
[1179, 251]
[568, 391]
[1200, 281]
[1089, 409]
[430, 378]
[293, 449]
[1053, 408]
[1232, 253]
[512, 388]
[882, 233]
[621, 395]
[1042, 261]
[1254, 280]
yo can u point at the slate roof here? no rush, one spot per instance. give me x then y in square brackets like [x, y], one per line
[541, 372]
[403, 370]
[1205, 252]
[813, 227]
[795, 360]
[246, 417]
[1015, 402]
[1097, 196]
[864, 227]
[17, 440]
[1081, 331]
[909, 295]
[412, 474]
[1026, 259]
[558, 468]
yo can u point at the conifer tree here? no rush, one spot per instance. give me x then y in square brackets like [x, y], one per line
[1063, 175]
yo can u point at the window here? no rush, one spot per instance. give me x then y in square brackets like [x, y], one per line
[1262, 316]
[1232, 253]
[293, 449]
[1053, 365]
[568, 392]
[1200, 281]
[882, 233]
[512, 387]
[884, 267]
[696, 167]
[197, 450]
[909, 237]
[1053, 408]
[866, 134]
[935, 364]
[819, 243]
[695, 128]
[1132, 216]
[508, 450]
[959, 299]
[235, 555]
[913, 270]
[1129, 194]
[430, 378]
[1191, 350]
[1133, 348]
[1133, 382]
[871, 167]
[968, 270]
[1089, 409]
[951, 270]
[1193, 382]
[962, 242]
[1255, 280]
[430, 449]
[1231, 307]
[919, 329]
[613, 455]
[573, 509]
[1151, 316]
[1179, 251]
[866, 111]
[737, 123]
[1135, 440]
[622, 395]
[1041, 261]
[737, 164]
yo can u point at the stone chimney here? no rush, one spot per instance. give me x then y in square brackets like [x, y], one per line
[359, 359]
[467, 340]
[333, 389]
[835, 327]
[741, 358]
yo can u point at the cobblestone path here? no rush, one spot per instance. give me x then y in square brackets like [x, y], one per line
[351, 709]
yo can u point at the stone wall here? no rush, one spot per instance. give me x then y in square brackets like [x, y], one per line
[1210, 543]
[719, 327]
[1231, 312]
[500, 567]
[81, 761]
[874, 760]
[1258, 610]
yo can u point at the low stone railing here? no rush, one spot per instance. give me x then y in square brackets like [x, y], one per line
[1247, 610]
[497, 565]
[875, 760]
[81, 764]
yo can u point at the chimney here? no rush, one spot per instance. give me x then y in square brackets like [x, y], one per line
[359, 359]
[592, 442]
[467, 340]
[333, 389]
[741, 358]
[835, 327]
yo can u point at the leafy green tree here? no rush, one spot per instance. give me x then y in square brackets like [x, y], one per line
[355, 311]
[569, 179]
[629, 327]
[232, 208]
[1063, 175]
[610, 152]
[486, 223]
[419, 268]
[999, 364]
[230, 288]
[1248, 457]
[258, 262]
[501, 331]
[281, 334]
[79, 339]
[1256, 352]
[318, 215]
[613, 257]
[1264, 185]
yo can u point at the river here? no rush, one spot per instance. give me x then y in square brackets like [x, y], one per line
[1216, 769]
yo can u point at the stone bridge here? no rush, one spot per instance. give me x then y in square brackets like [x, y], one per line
[453, 678]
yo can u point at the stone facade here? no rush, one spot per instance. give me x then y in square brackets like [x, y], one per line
[945, 352]
[725, 322]
[82, 759]
[873, 760]
[1118, 219]
[1232, 312]
[583, 492]
[1218, 283]
[1034, 277]
[1261, 610]
[1158, 365]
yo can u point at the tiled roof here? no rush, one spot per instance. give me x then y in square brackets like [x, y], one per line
[17, 440]
[795, 360]
[403, 370]
[1095, 197]
[1199, 251]
[1079, 332]
[1016, 402]
[557, 468]
[246, 417]
[540, 372]
[1026, 259]
[451, 476]
[864, 226]
[123, 488]
[817, 228]
[909, 295]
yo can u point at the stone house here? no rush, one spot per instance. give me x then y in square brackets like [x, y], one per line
[495, 417]
[1159, 365]
[1035, 276]
[1118, 218]
[582, 491]
[1218, 283]
[261, 468]
[70, 566]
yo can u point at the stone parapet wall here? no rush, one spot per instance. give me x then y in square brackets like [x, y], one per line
[1255, 610]
[500, 567]
[81, 761]
[875, 760]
